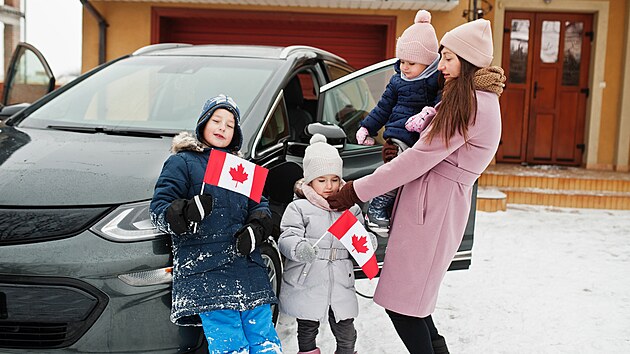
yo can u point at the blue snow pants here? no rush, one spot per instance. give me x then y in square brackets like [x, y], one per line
[231, 331]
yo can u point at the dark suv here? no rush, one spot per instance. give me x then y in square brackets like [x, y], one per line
[82, 269]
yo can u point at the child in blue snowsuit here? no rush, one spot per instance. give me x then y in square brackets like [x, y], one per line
[410, 89]
[219, 279]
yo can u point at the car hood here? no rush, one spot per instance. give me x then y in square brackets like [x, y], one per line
[43, 167]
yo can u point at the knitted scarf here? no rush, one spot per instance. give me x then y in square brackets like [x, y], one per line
[309, 193]
[490, 79]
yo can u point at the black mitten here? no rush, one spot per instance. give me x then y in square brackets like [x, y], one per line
[252, 234]
[184, 211]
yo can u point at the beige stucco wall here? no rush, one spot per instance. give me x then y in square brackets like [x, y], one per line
[130, 28]
[130, 23]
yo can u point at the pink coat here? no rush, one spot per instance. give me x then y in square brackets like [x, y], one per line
[432, 209]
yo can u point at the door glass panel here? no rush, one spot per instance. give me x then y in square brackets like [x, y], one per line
[572, 53]
[550, 41]
[31, 81]
[348, 103]
[519, 39]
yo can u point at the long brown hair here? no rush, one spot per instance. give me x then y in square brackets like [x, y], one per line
[458, 103]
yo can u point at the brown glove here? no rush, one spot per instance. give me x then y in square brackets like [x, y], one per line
[389, 151]
[344, 199]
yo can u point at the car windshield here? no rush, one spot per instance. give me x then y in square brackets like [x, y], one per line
[154, 92]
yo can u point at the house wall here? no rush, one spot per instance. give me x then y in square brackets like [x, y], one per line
[130, 23]
[130, 28]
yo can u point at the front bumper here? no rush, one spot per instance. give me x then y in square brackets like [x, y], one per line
[65, 295]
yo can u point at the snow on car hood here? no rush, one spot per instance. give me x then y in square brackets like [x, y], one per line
[42, 167]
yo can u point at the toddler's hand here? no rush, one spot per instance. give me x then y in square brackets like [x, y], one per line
[305, 252]
[364, 138]
[418, 122]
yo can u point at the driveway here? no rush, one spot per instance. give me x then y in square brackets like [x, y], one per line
[542, 280]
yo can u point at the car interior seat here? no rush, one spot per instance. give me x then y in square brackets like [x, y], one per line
[299, 118]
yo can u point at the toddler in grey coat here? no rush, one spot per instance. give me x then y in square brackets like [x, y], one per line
[318, 280]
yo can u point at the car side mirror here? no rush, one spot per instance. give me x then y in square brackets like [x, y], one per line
[333, 133]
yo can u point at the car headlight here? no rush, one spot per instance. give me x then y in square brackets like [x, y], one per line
[127, 223]
[149, 277]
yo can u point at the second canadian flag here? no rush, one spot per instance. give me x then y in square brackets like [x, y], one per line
[356, 239]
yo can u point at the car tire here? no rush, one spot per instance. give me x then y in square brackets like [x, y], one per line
[271, 257]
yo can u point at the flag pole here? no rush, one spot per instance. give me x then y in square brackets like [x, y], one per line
[315, 244]
[203, 185]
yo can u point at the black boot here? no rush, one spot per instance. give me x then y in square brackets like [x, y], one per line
[439, 345]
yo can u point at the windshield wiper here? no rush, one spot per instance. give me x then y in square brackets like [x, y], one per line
[110, 131]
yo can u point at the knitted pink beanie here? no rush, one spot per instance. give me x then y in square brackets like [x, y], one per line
[472, 41]
[418, 43]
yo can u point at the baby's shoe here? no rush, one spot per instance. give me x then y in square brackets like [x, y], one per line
[377, 218]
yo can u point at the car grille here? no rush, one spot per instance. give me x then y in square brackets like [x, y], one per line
[39, 313]
[19, 226]
[32, 334]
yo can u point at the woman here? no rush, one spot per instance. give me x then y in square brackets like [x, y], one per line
[432, 208]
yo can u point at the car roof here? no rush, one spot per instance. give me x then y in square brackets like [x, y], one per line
[233, 50]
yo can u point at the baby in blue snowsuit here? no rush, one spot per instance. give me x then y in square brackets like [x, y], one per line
[413, 87]
[219, 278]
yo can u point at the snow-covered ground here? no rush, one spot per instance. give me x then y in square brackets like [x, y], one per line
[542, 280]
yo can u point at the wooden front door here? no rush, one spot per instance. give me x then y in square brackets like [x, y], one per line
[546, 57]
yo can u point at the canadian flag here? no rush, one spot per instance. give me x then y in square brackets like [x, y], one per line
[236, 174]
[356, 239]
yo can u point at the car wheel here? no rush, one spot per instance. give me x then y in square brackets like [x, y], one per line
[271, 257]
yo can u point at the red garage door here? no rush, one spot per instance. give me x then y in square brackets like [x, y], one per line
[361, 40]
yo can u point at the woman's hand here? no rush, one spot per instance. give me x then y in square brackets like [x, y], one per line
[344, 199]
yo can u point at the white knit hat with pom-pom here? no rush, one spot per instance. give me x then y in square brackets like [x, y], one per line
[321, 159]
[418, 43]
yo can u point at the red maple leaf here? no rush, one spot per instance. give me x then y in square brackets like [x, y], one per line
[359, 243]
[238, 174]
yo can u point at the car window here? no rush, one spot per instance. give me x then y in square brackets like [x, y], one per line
[155, 92]
[301, 99]
[350, 102]
[335, 72]
[32, 76]
[276, 128]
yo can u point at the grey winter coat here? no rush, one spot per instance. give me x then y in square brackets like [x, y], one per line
[309, 289]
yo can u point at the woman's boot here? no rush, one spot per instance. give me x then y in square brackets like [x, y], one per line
[439, 345]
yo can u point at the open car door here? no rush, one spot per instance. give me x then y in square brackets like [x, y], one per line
[345, 102]
[28, 78]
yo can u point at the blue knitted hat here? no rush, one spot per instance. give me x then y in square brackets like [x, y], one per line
[211, 105]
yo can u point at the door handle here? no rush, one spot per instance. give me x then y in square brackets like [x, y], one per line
[535, 88]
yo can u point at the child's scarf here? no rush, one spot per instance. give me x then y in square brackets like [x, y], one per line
[315, 198]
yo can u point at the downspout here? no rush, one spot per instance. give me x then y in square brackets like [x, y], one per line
[102, 29]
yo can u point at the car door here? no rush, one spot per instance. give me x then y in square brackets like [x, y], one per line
[28, 78]
[345, 102]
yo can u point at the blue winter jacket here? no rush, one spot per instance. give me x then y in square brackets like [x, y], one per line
[207, 272]
[401, 100]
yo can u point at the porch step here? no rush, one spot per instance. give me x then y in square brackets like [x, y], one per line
[559, 186]
[491, 199]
